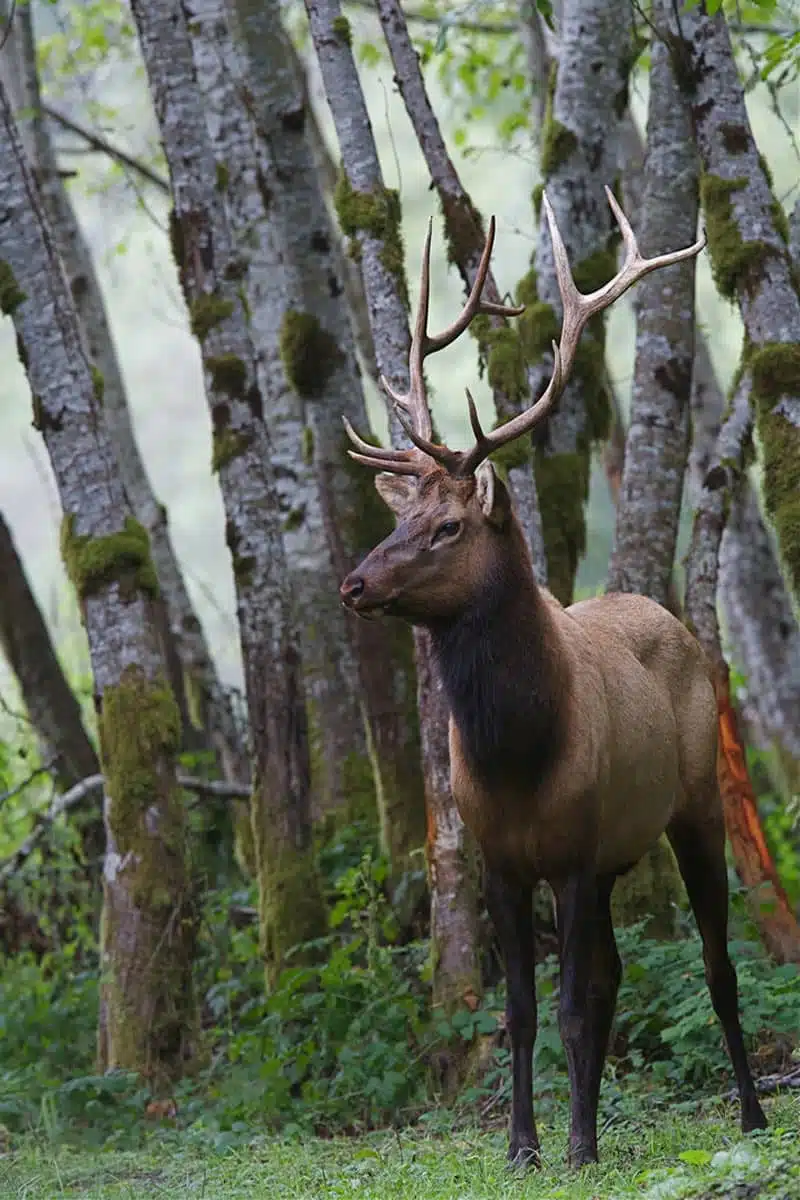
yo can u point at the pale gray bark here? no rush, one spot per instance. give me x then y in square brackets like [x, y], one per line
[648, 510]
[275, 267]
[379, 676]
[384, 285]
[794, 236]
[195, 673]
[210, 267]
[148, 938]
[581, 140]
[466, 238]
[758, 618]
[750, 261]
[725, 466]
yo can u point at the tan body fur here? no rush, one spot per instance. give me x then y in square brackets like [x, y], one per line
[641, 745]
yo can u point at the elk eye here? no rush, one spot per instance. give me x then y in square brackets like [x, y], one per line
[447, 529]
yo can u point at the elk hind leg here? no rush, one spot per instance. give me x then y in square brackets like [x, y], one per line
[699, 845]
[603, 987]
[580, 1020]
[510, 905]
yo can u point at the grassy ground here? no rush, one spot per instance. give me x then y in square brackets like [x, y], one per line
[672, 1158]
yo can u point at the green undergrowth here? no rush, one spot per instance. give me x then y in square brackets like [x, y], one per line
[655, 1156]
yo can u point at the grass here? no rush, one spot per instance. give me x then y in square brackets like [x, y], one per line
[669, 1156]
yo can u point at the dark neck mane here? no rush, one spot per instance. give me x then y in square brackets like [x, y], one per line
[500, 670]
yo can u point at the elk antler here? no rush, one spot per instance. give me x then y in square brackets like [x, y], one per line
[578, 308]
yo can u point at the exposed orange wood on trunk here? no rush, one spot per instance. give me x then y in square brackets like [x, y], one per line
[769, 903]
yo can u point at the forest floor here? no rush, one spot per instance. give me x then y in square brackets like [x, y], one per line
[670, 1158]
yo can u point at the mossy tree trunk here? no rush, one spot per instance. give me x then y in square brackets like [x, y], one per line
[370, 214]
[207, 717]
[147, 1008]
[759, 621]
[769, 904]
[211, 271]
[747, 240]
[300, 364]
[657, 444]
[588, 95]
[52, 705]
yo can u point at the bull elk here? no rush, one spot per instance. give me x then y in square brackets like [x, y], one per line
[577, 735]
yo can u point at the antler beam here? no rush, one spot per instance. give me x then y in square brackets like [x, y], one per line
[577, 311]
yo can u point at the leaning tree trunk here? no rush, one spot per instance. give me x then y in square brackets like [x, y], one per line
[148, 1016]
[747, 239]
[211, 270]
[579, 152]
[198, 690]
[52, 705]
[769, 905]
[759, 621]
[370, 213]
[657, 444]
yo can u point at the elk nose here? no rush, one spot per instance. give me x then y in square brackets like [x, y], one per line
[351, 589]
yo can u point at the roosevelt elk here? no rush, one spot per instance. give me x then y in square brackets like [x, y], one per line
[577, 735]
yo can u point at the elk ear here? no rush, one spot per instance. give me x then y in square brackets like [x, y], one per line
[398, 491]
[491, 494]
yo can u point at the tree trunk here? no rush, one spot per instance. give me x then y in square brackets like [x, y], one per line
[657, 444]
[298, 358]
[769, 905]
[148, 1016]
[211, 270]
[374, 668]
[747, 241]
[370, 213]
[52, 706]
[198, 690]
[579, 154]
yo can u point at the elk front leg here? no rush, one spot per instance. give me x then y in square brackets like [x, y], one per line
[510, 905]
[576, 909]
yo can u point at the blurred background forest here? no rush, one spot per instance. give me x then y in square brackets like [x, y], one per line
[370, 1022]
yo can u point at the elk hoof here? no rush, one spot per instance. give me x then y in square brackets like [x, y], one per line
[524, 1155]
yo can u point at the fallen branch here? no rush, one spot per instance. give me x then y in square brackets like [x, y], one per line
[44, 820]
[215, 787]
[772, 1083]
[68, 800]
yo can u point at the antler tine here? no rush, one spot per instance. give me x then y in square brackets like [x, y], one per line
[441, 454]
[474, 303]
[577, 309]
[410, 467]
[373, 451]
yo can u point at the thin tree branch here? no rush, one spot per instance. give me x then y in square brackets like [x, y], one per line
[503, 28]
[61, 804]
[104, 146]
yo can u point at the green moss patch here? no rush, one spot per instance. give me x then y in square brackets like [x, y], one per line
[11, 294]
[308, 352]
[776, 373]
[93, 563]
[207, 311]
[377, 214]
[733, 260]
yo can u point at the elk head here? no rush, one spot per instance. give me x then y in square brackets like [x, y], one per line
[454, 513]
